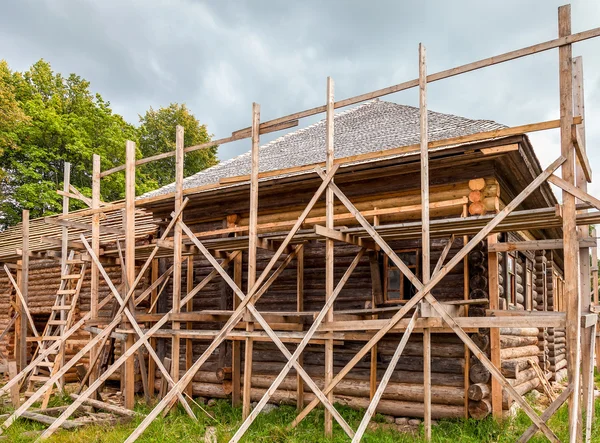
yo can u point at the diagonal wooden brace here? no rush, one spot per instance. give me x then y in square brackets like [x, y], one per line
[435, 278]
[110, 370]
[386, 378]
[272, 335]
[490, 367]
[549, 412]
[317, 322]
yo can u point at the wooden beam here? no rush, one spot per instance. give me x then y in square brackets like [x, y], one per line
[252, 251]
[300, 308]
[94, 274]
[579, 145]
[538, 245]
[83, 226]
[129, 225]
[24, 289]
[329, 244]
[571, 273]
[574, 191]
[189, 351]
[177, 251]
[425, 244]
[334, 235]
[415, 148]
[236, 356]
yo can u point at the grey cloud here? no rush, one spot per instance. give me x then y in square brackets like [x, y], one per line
[220, 56]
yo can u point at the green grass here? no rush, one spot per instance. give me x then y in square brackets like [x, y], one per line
[273, 428]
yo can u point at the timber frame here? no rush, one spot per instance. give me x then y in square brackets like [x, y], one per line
[92, 232]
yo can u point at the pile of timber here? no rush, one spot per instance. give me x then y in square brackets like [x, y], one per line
[518, 347]
[557, 352]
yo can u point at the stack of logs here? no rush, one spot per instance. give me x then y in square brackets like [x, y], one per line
[483, 196]
[518, 347]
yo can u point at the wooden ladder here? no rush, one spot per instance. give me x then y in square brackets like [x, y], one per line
[60, 320]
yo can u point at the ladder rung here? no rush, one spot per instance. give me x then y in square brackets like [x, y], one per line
[70, 276]
[61, 308]
[66, 291]
[74, 262]
[39, 378]
[47, 364]
[29, 394]
[57, 322]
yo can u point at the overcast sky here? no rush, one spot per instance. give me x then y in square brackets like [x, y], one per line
[220, 56]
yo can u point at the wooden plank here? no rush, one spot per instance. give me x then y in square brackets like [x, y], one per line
[153, 300]
[177, 250]
[582, 177]
[494, 296]
[500, 149]
[426, 260]
[329, 243]
[94, 273]
[538, 245]
[83, 226]
[24, 289]
[252, 250]
[390, 323]
[579, 145]
[189, 352]
[300, 308]
[115, 409]
[236, 356]
[571, 274]
[384, 381]
[14, 390]
[574, 191]
[129, 226]
[334, 235]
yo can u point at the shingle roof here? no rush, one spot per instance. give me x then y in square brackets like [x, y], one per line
[373, 126]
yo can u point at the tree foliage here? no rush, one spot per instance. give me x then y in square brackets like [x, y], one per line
[47, 119]
[157, 135]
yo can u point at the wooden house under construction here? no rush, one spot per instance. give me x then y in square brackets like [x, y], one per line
[389, 258]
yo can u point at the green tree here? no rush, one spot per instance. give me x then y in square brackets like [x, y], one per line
[157, 135]
[47, 119]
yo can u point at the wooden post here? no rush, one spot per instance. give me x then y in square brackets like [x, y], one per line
[23, 287]
[189, 354]
[426, 260]
[129, 378]
[252, 247]
[94, 273]
[571, 244]
[177, 252]
[236, 356]
[587, 338]
[300, 308]
[466, 294]
[329, 248]
[376, 296]
[494, 296]
[153, 295]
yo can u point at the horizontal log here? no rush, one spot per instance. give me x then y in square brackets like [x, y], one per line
[480, 409]
[478, 391]
[524, 351]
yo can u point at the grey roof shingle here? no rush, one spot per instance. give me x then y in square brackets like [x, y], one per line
[373, 126]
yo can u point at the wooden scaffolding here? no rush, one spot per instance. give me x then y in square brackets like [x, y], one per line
[426, 312]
